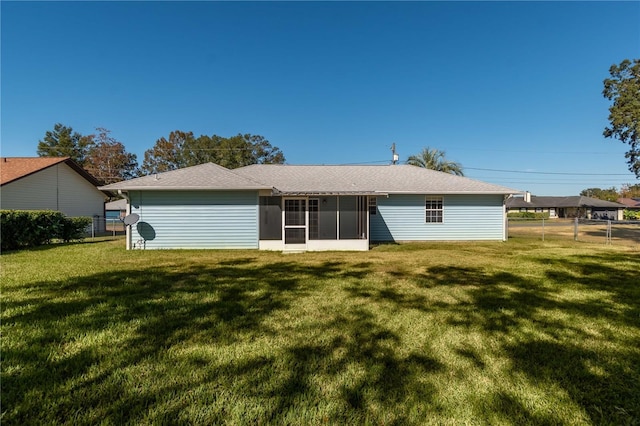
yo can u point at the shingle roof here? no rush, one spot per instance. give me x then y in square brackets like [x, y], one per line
[630, 202]
[560, 202]
[120, 204]
[290, 179]
[14, 168]
[206, 176]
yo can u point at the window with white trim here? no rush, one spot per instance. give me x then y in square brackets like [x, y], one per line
[373, 205]
[434, 209]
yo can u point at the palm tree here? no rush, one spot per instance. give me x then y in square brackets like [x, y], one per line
[434, 159]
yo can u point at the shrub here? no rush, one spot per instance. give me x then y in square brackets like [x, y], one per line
[629, 214]
[74, 228]
[528, 215]
[23, 228]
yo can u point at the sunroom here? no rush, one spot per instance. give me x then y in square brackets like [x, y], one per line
[315, 222]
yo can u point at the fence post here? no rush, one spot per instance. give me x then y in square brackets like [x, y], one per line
[575, 229]
[543, 229]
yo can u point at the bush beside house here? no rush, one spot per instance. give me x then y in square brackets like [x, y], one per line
[528, 215]
[22, 228]
[630, 214]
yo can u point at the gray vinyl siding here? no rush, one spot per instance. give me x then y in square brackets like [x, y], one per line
[196, 219]
[466, 217]
[57, 188]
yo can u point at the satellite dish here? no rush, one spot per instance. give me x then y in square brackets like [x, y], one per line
[130, 219]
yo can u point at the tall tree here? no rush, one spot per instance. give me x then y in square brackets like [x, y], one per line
[629, 190]
[623, 88]
[108, 160]
[168, 154]
[609, 194]
[435, 159]
[182, 149]
[62, 141]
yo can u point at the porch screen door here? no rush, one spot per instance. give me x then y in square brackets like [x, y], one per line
[295, 221]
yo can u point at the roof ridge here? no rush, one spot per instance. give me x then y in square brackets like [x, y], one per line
[246, 177]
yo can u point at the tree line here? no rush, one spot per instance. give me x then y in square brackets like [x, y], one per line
[612, 194]
[108, 161]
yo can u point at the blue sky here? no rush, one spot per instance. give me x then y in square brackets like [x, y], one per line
[511, 90]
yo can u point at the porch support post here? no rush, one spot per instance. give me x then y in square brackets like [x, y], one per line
[337, 217]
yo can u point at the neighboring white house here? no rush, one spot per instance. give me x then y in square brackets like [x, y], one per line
[284, 207]
[49, 183]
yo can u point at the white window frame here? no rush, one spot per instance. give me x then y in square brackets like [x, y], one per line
[434, 209]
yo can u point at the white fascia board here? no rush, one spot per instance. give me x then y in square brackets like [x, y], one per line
[325, 193]
[448, 192]
[189, 188]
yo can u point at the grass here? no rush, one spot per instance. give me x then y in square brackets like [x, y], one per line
[523, 332]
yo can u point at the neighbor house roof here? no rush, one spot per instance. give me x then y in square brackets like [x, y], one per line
[630, 202]
[14, 168]
[561, 202]
[206, 176]
[361, 179]
[120, 204]
[308, 180]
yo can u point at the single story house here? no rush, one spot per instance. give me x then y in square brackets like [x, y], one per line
[288, 207]
[49, 183]
[566, 207]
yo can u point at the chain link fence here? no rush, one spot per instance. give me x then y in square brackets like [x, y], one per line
[621, 232]
[103, 226]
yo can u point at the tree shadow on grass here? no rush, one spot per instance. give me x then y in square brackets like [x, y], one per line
[360, 358]
[603, 383]
[156, 307]
[348, 365]
[503, 408]
[603, 380]
[614, 274]
[153, 312]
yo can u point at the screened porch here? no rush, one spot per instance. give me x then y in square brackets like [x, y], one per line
[320, 222]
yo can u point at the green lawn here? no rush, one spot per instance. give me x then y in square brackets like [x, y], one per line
[522, 332]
